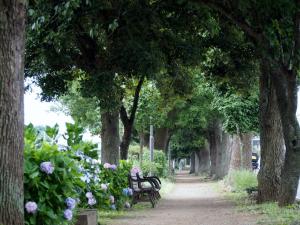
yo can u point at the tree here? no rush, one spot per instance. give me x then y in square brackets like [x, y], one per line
[12, 29]
[275, 33]
[100, 41]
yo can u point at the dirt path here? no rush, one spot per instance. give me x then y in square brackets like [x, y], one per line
[189, 203]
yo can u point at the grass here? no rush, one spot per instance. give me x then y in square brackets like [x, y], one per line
[267, 213]
[106, 217]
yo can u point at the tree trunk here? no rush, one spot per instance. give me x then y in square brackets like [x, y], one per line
[12, 29]
[214, 140]
[271, 140]
[192, 167]
[286, 91]
[161, 138]
[235, 161]
[110, 137]
[197, 163]
[246, 151]
[204, 159]
[126, 138]
[224, 160]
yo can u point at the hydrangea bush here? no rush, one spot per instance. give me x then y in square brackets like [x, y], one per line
[59, 181]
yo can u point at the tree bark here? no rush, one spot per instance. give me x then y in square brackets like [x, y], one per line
[110, 137]
[286, 90]
[12, 30]
[246, 151]
[214, 139]
[224, 159]
[271, 139]
[204, 159]
[235, 161]
[197, 163]
[161, 138]
[129, 121]
[192, 167]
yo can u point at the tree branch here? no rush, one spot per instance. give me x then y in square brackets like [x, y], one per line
[123, 115]
[240, 22]
[136, 98]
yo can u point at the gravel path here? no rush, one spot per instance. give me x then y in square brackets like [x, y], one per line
[191, 202]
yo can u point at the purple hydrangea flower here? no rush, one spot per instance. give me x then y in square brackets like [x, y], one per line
[127, 205]
[70, 202]
[47, 167]
[113, 207]
[106, 165]
[92, 201]
[68, 214]
[113, 167]
[89, 195]
[31, 207]
[112, 199]
[130, 192]
[104, 187]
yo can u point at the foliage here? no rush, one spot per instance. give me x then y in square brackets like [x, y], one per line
[69, 173]
[239, 180]
[240, 113]
[49, 191]
[84, 110]
[159, 167]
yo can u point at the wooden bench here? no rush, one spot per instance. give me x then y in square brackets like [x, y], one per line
[145, 189]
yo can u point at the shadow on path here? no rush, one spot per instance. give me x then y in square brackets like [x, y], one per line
[191, 202]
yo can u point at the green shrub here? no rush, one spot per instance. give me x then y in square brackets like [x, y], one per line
[239, 180]
[49, 189]
[159, 167]
[71, 172]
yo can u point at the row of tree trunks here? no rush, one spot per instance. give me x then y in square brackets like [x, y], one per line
[12, 29]
[271, 139]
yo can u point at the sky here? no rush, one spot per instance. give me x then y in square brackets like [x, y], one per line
[38, 113]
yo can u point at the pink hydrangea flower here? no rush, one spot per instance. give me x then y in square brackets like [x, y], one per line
[92, 201]
[31, 207]
[89, 195]
[106, 165]
[134, 171]
[104, 187]
[113, 167]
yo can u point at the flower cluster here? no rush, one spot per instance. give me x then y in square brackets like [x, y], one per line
[47, 167]
[71, 204]
[91, 198]
[135, 170]
[68, 214]
[31, 207]
[110, 166]
[104, 187]
[127, 191]
[88, 168]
